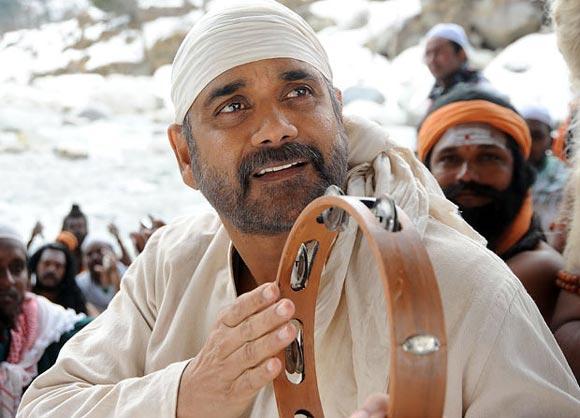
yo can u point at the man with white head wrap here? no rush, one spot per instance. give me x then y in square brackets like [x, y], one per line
[32, 329]
[102, 279]
[552, 173]
[194, 330]
[447, 55]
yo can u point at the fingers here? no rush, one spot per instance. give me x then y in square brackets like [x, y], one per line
[254, 379]
[376, 406]
[252, 353]
[250, 303]
[265, 321]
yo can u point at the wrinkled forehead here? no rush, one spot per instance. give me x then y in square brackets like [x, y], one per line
[472, 134]
[257, 74]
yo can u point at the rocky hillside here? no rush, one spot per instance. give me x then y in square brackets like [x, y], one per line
[139, 36]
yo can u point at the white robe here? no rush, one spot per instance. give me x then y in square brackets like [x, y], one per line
[502, 358]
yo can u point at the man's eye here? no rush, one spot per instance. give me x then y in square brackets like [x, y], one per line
[300, 91]
[232, 107]
[490, 158]
[16, 268]
[449, 159]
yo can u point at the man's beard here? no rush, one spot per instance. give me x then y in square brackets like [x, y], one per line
[39, 285]
[280, 203]
[9, 312]
[490, 220]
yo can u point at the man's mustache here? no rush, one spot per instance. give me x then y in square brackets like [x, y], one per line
[452, 191]
[289, 151]
[49, 275]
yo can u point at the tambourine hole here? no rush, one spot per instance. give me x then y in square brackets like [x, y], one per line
[303, 414]
[294, 356]
[303, 265]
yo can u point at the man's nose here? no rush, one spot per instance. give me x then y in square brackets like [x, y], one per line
[6, 279]
[466, 173]
[273, 129]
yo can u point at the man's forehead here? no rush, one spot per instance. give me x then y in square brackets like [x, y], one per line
[472, 134]
[12, 248]
[52, 253]
[242, 74]
[436, 42]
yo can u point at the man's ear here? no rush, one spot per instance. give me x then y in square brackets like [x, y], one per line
[181, 150]
[338, 95]
[462, 55]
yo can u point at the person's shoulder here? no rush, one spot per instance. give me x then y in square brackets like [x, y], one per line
[195, 230]
[461, 255]
[557, 166]
[182, 242]
[83, 280]
[543, 261]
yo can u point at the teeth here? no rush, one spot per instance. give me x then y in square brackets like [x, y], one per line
[273, 169]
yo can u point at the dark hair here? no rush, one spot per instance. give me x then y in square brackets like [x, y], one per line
[69, 293]
[464, 92]
[75, 212]
[456, 47]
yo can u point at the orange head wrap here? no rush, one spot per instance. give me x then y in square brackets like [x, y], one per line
[68, 240]
[506, 120]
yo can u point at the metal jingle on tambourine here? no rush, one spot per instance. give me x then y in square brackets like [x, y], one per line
[335, 219]
[418, 354]
[303, 265]
[294, 356]
[385, 211]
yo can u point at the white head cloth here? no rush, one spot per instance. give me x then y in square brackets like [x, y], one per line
[536, 112]
[98, 238]
[7, 232]
[451, 32]
[237, 33]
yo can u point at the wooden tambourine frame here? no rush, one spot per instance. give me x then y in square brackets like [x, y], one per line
[418, 357]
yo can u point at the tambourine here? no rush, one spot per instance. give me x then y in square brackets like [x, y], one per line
[418, 357]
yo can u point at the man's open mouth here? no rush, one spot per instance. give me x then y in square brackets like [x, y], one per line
[278, 168]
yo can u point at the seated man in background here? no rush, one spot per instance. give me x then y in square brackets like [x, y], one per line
[446, 57]
[476, 144]
[101, 281]
[53, 269]
[551, 172]
[32, 329]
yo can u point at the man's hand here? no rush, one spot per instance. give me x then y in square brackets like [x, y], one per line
[376, 406]
[109, 273]
[113, 230]
[38, 228]
[238, 358]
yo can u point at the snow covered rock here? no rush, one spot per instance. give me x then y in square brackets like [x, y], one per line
[540, 77]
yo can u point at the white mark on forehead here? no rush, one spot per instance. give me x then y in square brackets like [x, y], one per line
[473, 134]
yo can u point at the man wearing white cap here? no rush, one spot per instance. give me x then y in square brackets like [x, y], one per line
[446, 55]
[551, 172]
[102, 279]
[32, 329]
[198, 322]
